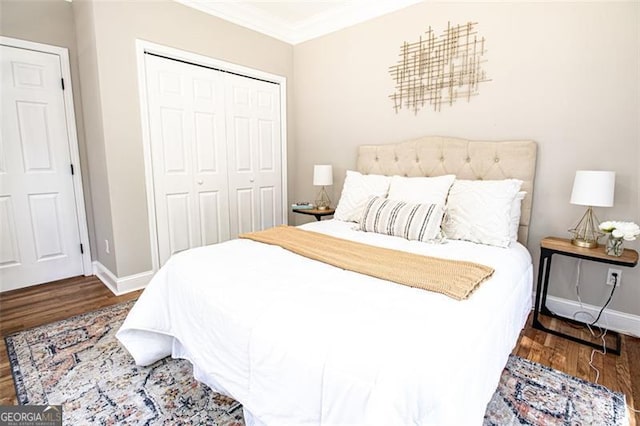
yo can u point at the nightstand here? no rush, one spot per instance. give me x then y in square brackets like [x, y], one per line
[315, 212]
[562, 246]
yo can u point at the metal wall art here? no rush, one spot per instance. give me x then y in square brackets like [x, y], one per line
[439, 69]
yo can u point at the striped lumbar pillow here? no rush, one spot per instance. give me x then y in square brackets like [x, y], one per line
[420, 222]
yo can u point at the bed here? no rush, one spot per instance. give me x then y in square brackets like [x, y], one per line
[300, 342]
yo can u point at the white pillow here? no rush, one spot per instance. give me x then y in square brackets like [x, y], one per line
[357, 189]
[480, 211]
[421, 190]
[516, 210]
[418, 222]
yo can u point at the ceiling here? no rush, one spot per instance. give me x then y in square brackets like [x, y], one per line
[295, 21]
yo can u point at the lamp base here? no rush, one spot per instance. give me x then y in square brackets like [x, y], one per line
[586, 232]
[323, 202]
[584, 243]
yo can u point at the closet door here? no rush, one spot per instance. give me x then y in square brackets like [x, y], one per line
[189, 157]
[254, 153]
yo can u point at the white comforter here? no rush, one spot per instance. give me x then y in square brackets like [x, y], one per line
[298, 342]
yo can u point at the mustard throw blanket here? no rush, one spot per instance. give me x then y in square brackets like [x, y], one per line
[454, 278]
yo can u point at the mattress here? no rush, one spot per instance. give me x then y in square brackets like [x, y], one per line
[299, 342]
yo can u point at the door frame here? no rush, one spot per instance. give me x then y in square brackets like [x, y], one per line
[143, 46]
[72, 138]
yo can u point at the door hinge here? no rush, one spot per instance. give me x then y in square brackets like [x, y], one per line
[62, 81]
[72, 172]
[81, 249]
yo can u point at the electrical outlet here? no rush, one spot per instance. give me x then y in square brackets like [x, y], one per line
[106, 247]
[614, 276]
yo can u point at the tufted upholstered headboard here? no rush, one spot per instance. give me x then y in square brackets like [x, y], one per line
[473, 160]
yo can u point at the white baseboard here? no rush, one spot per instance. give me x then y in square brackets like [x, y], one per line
[119, 286]
[610, 319]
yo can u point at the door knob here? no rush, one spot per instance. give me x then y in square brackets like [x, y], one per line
[200, 182]
[251, 180]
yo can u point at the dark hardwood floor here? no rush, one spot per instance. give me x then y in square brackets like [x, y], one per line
[33, 306]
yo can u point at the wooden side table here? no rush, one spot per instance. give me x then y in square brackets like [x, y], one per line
[562, 246]
[315, 212]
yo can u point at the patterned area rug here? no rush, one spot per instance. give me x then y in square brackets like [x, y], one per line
[534, 394]
[79, 363]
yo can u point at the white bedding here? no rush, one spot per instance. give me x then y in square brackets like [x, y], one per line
[298, 342]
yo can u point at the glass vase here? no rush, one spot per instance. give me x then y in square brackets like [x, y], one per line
[614, 246]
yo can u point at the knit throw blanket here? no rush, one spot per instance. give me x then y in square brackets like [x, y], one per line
[454, 278]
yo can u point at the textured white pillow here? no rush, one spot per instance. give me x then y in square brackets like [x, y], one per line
[480, 211]
[418, 222]
[421, 190]
[357, 189]
[516, 210]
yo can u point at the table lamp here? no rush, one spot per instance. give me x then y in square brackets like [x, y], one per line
[591, 188]
[323, 176]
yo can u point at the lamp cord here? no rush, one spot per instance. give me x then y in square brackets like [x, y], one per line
[615, 284]
[602, 336]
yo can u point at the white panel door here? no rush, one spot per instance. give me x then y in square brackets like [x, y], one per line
[188, 150]
[39, 234]
[254, 153]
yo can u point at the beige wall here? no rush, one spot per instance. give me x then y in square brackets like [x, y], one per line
[92, 106]
[117, 25]
[564, 74]
[51, 22]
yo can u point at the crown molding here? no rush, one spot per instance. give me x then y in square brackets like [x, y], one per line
[341, 16]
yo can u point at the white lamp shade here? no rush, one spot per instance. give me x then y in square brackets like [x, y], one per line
[322, 175]
[593, 188]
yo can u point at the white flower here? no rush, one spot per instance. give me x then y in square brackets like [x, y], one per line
[607, 226]
[627, 230]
